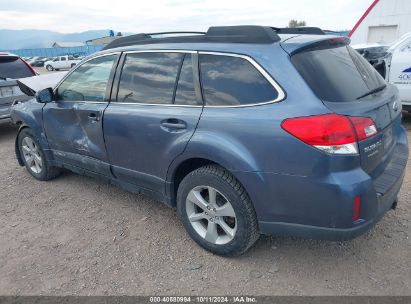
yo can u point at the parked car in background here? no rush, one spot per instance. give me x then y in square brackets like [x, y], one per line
[244, 129]
[374, 53]
[398, 67]
[12, 67]
[39, 62]
[393, 63]
[61, 62]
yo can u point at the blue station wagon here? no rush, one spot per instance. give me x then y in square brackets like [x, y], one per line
[246, 130]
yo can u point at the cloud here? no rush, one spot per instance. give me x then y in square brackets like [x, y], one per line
[162, 15]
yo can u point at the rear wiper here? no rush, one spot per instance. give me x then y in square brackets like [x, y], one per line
[373, 91]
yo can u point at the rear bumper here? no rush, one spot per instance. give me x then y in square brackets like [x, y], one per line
[321, 207]
[385, 203]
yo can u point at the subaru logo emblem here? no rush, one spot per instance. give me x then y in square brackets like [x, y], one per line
[395, 106]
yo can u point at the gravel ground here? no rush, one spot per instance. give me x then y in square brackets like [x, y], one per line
[78, 236]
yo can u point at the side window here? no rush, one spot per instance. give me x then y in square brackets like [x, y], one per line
[231, 81]
[70, 58]
[149, 78]
[56, 59]
[63, 58]
[88, 82]
[185, 93]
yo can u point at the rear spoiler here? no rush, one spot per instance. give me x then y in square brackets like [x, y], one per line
[299, 30]
[302, 44]
[31, 85]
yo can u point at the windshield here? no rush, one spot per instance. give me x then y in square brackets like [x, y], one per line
[12, 67]
[337, 74]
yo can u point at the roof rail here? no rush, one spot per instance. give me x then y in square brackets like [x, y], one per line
[225, 34]
[306, 30]
[173, 33]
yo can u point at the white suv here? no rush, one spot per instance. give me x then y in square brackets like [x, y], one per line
[61, 62]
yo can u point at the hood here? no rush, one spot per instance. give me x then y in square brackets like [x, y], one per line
[31, 85]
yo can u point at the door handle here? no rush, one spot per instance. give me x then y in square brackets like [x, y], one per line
[93, 117]
[173, 124]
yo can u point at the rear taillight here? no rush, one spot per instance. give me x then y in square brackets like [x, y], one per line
[364, 127]
[332, 133]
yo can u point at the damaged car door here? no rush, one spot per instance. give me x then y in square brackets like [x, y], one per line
[73, 121]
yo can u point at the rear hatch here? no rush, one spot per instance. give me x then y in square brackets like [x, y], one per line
[348, 85]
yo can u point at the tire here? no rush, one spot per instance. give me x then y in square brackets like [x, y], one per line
[228, 235]
[49, 68]
[72, 65]
[34, 160]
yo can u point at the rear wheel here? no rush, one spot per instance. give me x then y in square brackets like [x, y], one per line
[33, 157]
[49, 68]
[217, 212]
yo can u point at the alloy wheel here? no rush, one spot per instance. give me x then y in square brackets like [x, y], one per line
[31, 154]
[211, 215]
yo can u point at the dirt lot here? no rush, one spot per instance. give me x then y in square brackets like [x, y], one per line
[76, 235]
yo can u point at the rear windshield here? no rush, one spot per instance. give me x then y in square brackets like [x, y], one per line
[14, 68]
[338, 74]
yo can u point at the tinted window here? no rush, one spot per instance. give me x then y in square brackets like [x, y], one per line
[14, 68]
[88, 82]
[338, 74]
[149, 78]
[230, 80]
[185, 94]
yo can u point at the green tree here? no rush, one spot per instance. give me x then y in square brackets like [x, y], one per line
[296, 23]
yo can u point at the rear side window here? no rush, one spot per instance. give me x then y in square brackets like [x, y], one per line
[12, 67]
[233, 81]
[338, 74]
[149, 78]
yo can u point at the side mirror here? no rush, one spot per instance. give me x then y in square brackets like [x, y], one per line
[45, 95]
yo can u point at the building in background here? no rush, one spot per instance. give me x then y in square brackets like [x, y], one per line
[383, 22]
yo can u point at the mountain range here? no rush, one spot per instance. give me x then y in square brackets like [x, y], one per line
[28, 39]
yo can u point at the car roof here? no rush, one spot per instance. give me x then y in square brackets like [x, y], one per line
[218, 35]
[291, 43]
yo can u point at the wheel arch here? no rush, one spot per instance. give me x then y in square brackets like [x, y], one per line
[179, 169]
[40, 137]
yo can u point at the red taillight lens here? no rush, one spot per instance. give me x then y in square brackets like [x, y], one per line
[323, 130]
[356, 208]
[364, 127]
[332, 133]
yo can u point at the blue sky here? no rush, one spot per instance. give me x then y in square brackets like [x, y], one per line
[69, 16]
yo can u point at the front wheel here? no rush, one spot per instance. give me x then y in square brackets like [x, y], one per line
[49, 68]
[217, 212]
[33, 157]
[73, 65]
